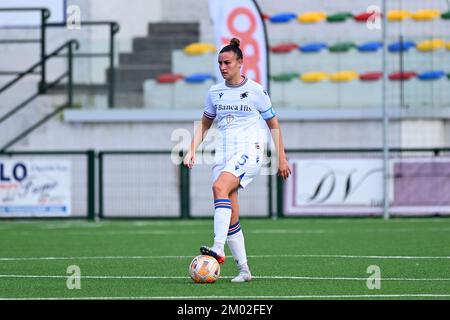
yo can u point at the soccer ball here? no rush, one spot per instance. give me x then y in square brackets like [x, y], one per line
[204, 269]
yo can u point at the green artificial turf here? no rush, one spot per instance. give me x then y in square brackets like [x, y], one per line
[322, 258]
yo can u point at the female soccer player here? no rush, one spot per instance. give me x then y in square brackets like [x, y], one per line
[238, 103]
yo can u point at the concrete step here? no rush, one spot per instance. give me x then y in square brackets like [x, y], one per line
[129, 99]
[131, 73]
[145, 57]
[163, 43]
[171, 28]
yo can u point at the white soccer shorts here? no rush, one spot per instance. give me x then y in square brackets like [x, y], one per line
[245, 165]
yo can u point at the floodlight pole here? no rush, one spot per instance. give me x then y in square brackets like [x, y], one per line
[385, 119]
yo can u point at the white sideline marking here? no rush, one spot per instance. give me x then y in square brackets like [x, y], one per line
[411, 295]
[223, 277]
[250, 256]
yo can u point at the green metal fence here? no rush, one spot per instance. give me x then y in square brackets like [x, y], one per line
[155, 184]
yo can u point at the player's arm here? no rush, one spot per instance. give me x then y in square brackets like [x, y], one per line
[200, 133]
[283, 165]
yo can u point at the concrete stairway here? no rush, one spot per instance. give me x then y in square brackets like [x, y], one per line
[151, 56]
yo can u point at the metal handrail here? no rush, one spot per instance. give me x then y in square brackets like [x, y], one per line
[113, 29]
[45, 15]
[69, 73]
[41, 62]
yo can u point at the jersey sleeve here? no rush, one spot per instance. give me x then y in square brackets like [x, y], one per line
[264, 105]
[209, 111]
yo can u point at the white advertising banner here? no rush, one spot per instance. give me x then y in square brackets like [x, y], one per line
[334, 187]
[241, 19]
[35, 188]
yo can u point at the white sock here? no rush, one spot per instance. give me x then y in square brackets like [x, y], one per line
[222, 218]
[236, 243]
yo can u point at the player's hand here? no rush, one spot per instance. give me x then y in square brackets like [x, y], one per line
[284, 170]
[189, 159]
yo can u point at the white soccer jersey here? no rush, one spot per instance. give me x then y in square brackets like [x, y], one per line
[239, 110]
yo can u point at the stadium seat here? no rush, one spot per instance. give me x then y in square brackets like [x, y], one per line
[284, 48]
[169, 77]
[431, 45]
[265, 16]
[314, 76]
[370, 76]
[339, 17]
[199, 48]
[313, 47]
[283, 17]
[425, 15]
[398, 15]
[343, 76]
[395, 76]
[371, 46]
[284, 77]
[341, 47]
[363, 17]
[401, 46]
[431, 75]
[447, 45]
[311, 17]
[198, 78]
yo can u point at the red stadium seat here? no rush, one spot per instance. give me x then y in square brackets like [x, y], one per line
[169, 78]
[402, 75]
[363, 17]
[370, 76]
[284, 48]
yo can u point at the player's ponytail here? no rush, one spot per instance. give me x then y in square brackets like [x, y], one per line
[233, 46]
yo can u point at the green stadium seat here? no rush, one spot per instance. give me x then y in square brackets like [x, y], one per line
[339, 17]
[283, 77]
[341, 47]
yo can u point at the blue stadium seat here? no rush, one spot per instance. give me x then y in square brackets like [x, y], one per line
[401, 46]
[198, 77]
[283, 17]
[313, 47]
[431, 75]
[371, 46]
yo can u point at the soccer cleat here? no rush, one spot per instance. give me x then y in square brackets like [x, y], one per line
[209, 252]
[243, 276]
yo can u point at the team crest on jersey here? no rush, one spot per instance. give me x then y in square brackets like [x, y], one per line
[220, 95]
[229, 118]
[244, 95]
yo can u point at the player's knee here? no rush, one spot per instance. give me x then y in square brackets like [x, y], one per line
[218, 189]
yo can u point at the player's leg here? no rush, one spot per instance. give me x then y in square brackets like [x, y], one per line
[222, 187]
[236, 242]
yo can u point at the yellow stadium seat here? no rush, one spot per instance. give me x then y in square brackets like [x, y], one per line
[311, 17]
[425, 15]
[314, 76]
[430, 45]
[447, 45]
[198, 48]
[343, 76]
[398, 15]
